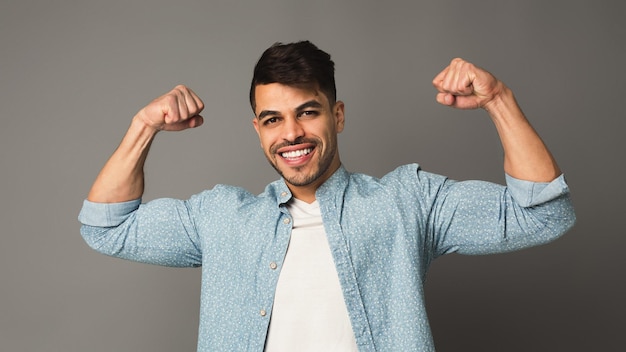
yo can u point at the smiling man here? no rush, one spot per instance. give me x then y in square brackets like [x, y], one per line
[324, 259]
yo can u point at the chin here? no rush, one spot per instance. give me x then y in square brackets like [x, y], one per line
[301, 180]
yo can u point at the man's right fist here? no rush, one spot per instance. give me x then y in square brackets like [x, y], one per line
[175, 111]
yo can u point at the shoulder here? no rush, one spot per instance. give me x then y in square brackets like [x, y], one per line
[402, 176]
[223, 197]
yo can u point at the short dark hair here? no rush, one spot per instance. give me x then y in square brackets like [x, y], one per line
[300, 64]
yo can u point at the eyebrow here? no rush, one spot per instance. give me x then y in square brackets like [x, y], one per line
[266, 113]
[309, 104]
[300, 108]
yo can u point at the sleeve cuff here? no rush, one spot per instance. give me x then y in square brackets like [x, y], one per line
[528, 193]
[106, 214]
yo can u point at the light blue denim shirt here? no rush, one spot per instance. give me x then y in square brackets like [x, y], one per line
[383, 234]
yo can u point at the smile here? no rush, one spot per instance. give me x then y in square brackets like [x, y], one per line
[294, 154]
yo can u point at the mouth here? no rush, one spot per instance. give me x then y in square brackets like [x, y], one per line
[296, 154]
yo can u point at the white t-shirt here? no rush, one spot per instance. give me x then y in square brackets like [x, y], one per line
[309, 311]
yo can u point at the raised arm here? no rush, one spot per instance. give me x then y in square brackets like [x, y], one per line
[122, 177]
[464, 86]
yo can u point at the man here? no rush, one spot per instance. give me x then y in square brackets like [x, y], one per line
[324, 259]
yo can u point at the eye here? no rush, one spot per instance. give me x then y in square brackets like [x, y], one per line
[309, 113]
[270, 120]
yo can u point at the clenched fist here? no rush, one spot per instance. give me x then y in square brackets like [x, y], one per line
[465, 86]
[175, 111]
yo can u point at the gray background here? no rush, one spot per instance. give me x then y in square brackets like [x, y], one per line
[73, 73]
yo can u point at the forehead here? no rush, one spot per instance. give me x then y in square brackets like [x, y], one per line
[280, 97]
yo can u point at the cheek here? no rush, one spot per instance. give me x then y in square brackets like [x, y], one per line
[330, 132]
[265, 141]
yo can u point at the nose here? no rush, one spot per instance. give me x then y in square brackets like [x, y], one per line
[292, 129]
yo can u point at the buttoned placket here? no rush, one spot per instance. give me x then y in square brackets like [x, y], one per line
[273, 264]
[345, 271]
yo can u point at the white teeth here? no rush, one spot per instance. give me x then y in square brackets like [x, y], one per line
[296, 153]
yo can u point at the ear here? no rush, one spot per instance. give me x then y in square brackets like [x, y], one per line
[339, 110]
[255, 123]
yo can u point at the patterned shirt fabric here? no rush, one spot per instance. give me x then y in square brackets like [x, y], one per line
[383, 234]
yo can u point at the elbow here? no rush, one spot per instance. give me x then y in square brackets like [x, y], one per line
[562, 219]
[568, 219]
[96, 239]
[92, 237]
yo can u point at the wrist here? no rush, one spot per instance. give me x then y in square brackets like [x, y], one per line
[141, 125]
[502, 100]
[503, 106]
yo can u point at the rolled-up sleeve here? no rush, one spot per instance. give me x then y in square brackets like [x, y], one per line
[106, 214]
[528, 193]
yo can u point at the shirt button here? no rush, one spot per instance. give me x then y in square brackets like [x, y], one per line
[263, 312]
[286, 221]
[283, 194]
[273, 266]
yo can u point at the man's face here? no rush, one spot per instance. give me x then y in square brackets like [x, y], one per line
[298, 132]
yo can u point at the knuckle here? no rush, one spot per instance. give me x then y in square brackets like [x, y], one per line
[169, 100]
[457, 61]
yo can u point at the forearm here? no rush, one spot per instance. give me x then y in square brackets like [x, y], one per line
[526, 157]
[122, 178]
[465, 86]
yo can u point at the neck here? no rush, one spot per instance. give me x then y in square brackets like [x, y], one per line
[307, 192]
